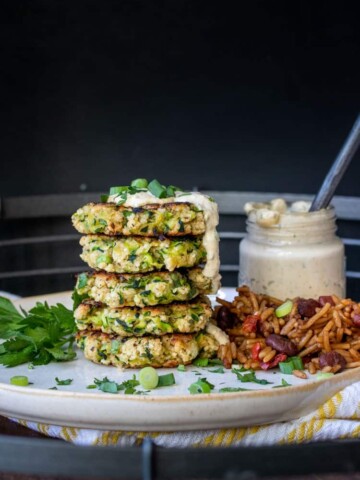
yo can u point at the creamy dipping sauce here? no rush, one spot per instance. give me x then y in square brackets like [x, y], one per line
[211, 215]
[291, 252]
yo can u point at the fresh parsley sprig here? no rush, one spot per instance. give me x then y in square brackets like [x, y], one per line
[42, 335]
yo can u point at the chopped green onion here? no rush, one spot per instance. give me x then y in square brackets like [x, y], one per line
[91, 387]
[297, 362]
[19, 380]
[157, 189]
[284, 309]
[117, 190]
[104, 198]
[139, 183]
[181, 368]
[201, 362]
[148, 378]
[201, 386]
[286, 367]
[170, 191]
[291, 364]
[166, 380]
[324, 375]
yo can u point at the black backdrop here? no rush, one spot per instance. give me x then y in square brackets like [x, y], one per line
[222, 95]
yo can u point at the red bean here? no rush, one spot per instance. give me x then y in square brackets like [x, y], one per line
[281, 344]
[356, 319]
[326, 299]
[307, 307]
[225, 318]
[330, 359]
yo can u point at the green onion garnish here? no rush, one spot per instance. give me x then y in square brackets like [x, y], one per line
[201, 386]
[166, 380]
[291, 364]
[104, 198]
[157, 189]
[148, 378]
[201, 362]
[19, 380]
[181, 368]
[117, 190]
[170, 191]
[139, 183]
[284, 309]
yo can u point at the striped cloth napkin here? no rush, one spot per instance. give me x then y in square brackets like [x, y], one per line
[338, 418]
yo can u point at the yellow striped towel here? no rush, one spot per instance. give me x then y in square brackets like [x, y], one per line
[338, 418]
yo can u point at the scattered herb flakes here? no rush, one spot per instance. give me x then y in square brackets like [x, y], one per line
[52, 388]
[68, 381]
[109, 386]
[181, 368]
[91, 387]
[235, 389]
[106, 385]
[218, 370]
[42, 335]
[200, 386]
[284, 383]
[249, 377]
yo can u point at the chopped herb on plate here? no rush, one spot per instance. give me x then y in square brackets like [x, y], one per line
[248, 377]
[63, 382]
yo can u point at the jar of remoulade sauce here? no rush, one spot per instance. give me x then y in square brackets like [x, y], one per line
[290, 252]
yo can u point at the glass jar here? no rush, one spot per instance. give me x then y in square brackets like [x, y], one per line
[300, 256]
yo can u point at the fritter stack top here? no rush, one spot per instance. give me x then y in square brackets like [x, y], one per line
[155, 255]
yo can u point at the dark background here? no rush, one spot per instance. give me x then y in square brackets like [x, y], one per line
[250, 96]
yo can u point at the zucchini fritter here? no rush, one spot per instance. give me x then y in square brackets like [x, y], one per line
[139, 290]
[166, 351]
[133, 321]
[171, 219]
[139, 254]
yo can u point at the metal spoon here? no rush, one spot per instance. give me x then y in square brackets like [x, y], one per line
[338, 168]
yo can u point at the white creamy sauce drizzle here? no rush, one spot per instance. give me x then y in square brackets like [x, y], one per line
[211, 215]
[218, 334]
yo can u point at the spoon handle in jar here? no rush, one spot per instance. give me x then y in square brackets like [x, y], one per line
[338, 168]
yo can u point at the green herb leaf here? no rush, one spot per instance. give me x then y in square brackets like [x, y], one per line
[284, 383]
[39, 336]
[63, 382]
[249, 377]
[109, 386]
[218, 370]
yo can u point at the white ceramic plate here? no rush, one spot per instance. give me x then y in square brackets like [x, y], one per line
[164, 409]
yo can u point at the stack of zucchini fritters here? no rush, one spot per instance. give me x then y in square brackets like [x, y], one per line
[144, 303]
